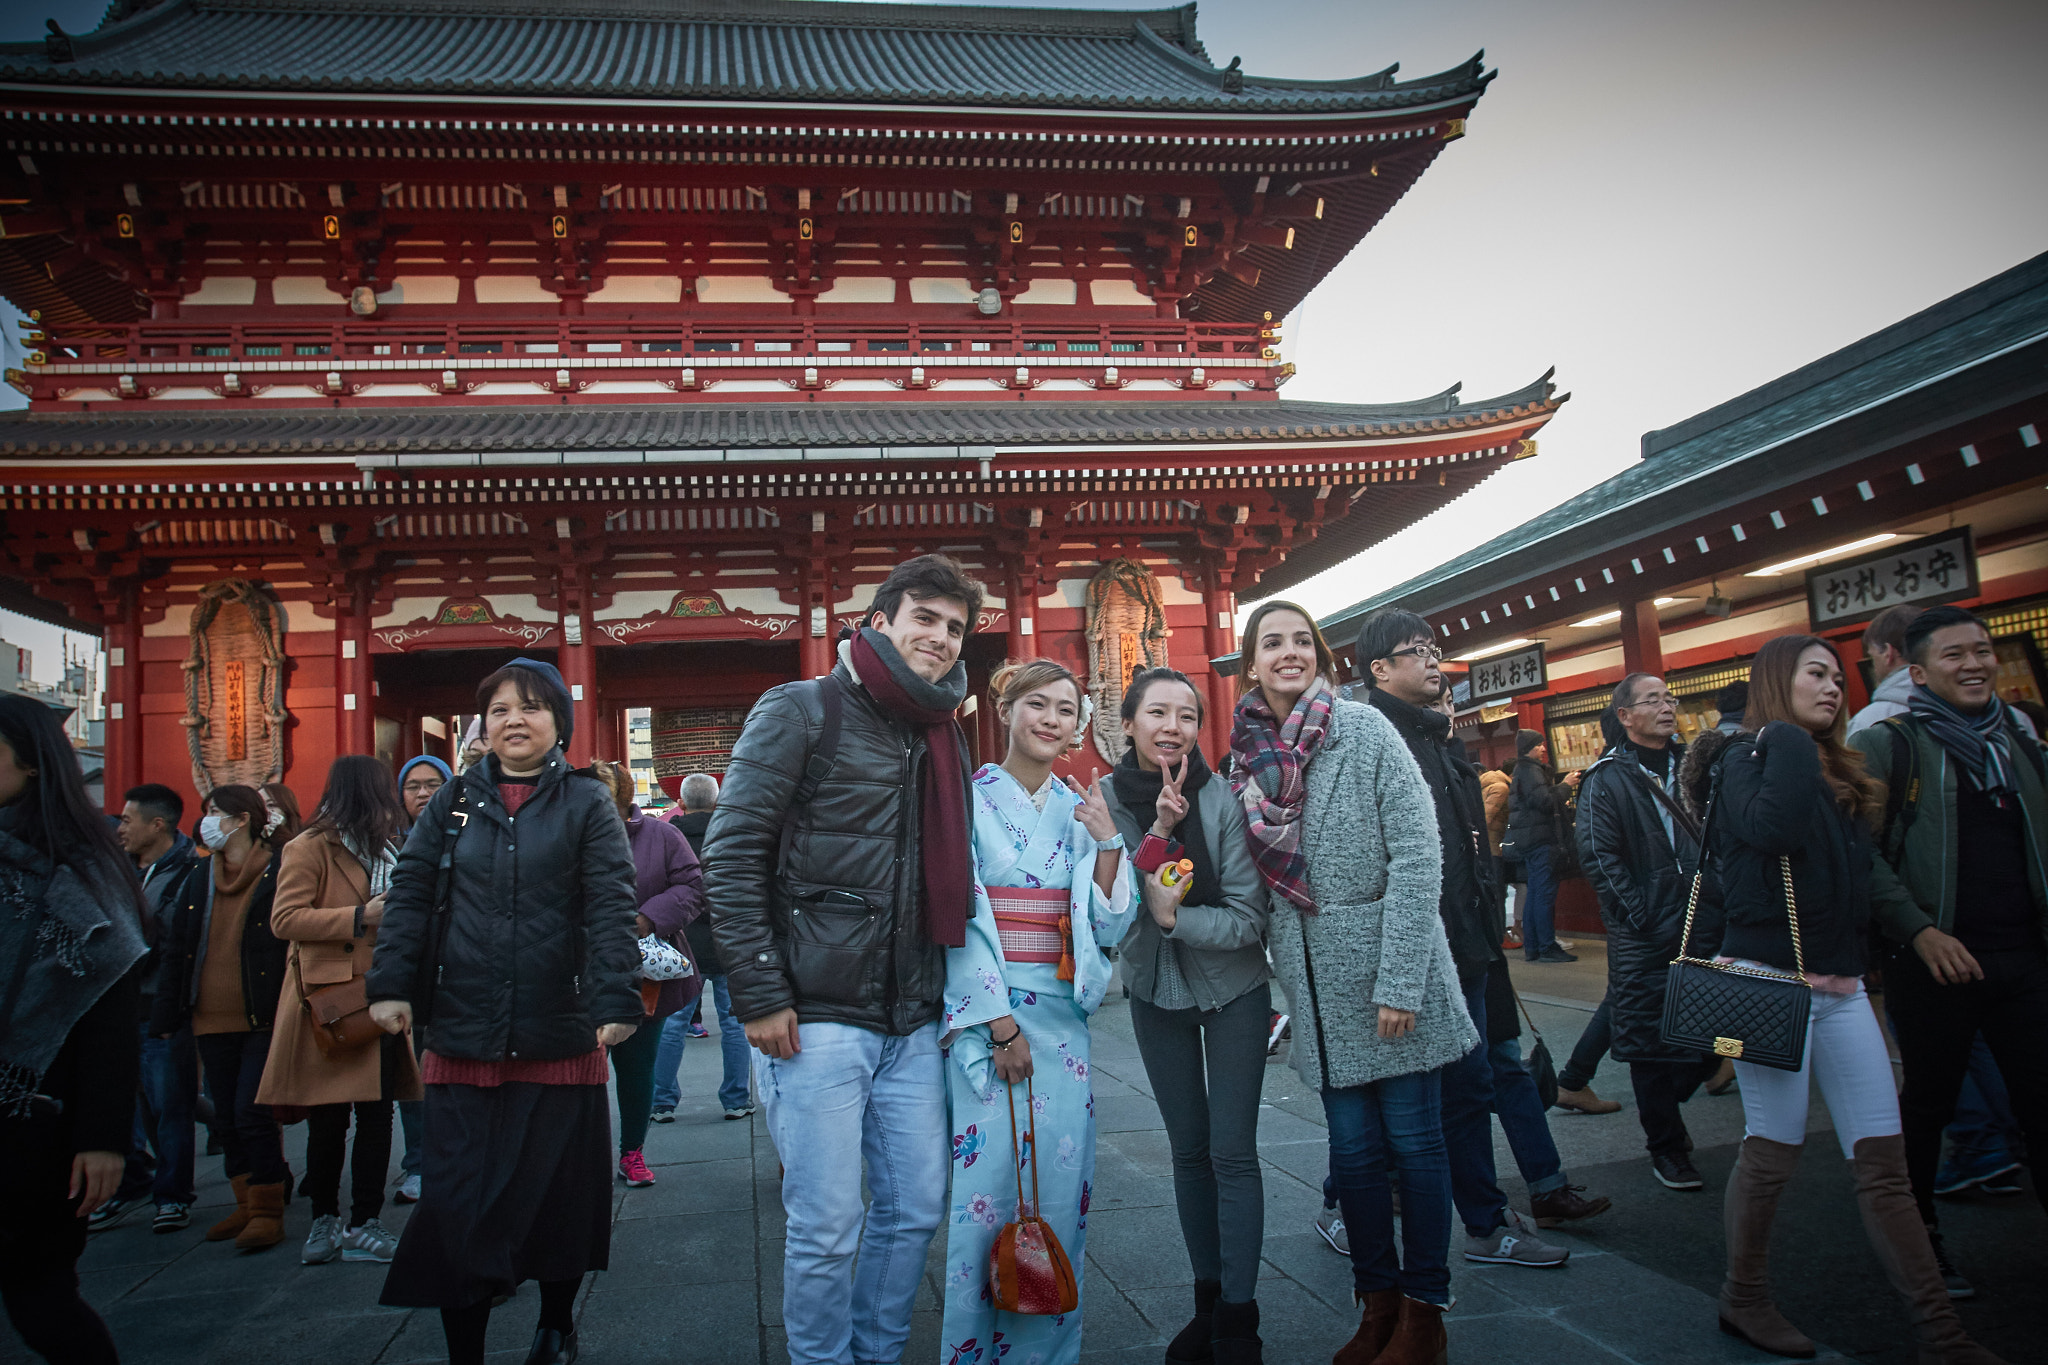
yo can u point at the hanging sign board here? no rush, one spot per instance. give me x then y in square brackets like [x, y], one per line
[1503, 675]
[1920, 573]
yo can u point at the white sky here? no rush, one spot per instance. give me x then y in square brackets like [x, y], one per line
[1671, 201]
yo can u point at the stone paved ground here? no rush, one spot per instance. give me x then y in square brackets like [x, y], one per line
[697, 1258]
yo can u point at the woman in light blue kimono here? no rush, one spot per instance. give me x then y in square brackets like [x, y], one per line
[1054, 884]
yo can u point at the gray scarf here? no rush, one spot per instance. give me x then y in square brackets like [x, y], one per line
[59, 952]
[377, 866]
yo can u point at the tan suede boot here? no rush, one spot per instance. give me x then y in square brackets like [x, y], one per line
[1761, 1170]
[1418, 1336]
[1381, 1310]
[232, 1225]
[1892, 1221]
[266, 1218]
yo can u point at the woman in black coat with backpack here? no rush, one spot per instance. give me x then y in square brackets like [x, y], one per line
[508, 938]
[1788, 813]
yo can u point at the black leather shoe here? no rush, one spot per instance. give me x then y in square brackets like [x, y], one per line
[552, 1348]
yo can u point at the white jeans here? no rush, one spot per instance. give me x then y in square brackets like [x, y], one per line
[851, 1094]
[1845, 1052]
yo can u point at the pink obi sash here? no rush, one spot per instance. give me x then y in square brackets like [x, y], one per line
[1034, 926]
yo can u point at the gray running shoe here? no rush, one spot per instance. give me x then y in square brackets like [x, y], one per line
[323, 1243]
[1515, 1243]
[1330, 1226]
[370, 1242]
[171, 1217]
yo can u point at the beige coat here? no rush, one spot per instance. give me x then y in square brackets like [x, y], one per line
[319, 887]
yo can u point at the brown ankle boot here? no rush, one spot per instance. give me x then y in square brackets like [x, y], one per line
[232, 1225]
[1892, 1221]
[1761, 1171]
[1382, 1309]
[1418, 1336]
[266, 1218]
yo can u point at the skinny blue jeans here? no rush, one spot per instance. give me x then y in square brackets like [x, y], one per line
[1395, 1122]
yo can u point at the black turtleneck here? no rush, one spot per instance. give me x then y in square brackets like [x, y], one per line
[1657, 762]
[1469, 918]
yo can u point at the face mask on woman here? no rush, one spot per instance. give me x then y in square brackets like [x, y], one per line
[212, 832]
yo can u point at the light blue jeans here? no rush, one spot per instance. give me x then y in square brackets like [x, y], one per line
[732, 1047]
[851, 1095]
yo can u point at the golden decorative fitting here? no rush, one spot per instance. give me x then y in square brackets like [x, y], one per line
[1525, 449]
[1727, 1047]
[1454, 130]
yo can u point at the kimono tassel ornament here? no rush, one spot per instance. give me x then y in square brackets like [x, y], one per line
[1066, 971]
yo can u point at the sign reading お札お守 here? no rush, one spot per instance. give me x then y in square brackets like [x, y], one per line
[1506, 674]
[1920, 573]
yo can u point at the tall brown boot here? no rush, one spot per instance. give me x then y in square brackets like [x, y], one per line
[1761, 1170]
[266, 1218]
[232, 1225]
[1381, 1310]
[1418, 1336]
[1892, 1221]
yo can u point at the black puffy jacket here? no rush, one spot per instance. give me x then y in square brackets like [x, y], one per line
[1771, 801]
[187, 919]
[1534, 802]
[537, 948]
[820, 907]
[1640, 859]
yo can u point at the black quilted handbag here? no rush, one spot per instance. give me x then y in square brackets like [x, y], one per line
[1730, 1010]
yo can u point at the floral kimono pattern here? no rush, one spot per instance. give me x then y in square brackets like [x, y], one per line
[1016, 844]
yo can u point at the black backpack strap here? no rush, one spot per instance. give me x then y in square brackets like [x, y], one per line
[1902, 789]
[457, 820]
[819, 766]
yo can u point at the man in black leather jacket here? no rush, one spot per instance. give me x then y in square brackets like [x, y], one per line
[837, 873]
[1640, 853]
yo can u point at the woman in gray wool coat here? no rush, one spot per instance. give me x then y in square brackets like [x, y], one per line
[1344, 833]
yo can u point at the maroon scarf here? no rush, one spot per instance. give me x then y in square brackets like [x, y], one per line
[948, 852]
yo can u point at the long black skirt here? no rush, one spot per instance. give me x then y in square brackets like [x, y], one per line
[515, 1184]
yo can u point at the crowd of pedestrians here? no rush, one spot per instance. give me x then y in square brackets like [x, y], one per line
[894, 945]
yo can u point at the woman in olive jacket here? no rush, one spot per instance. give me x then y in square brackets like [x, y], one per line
[508, 934]
[1788, 816]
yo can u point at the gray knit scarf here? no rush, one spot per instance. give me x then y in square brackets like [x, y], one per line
[1980, 744]
[60, 950]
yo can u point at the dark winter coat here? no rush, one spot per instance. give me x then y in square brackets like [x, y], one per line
[1471, 893]
[536, 948]
[820, 907]
[1772, 801]
[1535, 800]
[703, 943]
[181, 953]
[1640, 859]
[670, 888]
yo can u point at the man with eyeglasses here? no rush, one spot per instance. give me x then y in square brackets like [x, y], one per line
[1639, 849]
[1399, 666]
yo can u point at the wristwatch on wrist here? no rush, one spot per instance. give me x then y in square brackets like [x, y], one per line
[1111, 844]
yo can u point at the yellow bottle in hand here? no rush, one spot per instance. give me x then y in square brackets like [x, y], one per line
[1173, 875]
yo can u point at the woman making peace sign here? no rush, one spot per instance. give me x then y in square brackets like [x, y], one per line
[1019, 994]
[1200, 1004]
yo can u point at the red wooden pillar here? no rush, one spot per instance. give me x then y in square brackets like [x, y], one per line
[1219, 637]
[814, 645]
[1642, 648]
[355, 715]
[124, 699]
[579, 671]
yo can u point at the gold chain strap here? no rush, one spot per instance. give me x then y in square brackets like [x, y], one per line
[1792, 915]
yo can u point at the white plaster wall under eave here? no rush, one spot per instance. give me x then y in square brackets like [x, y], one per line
[177, 622]
[1050, 291]
[396, 391]
[99, 395]
[1073, 592]
[290, 391]
[631, 606]
[738, 289]
[860, 289]
[866, 386]
[1116, 294]
[940, 289]
[629, 386]
[1561, 669]
[422, 289]
[302, 291]
[182, 395]
[222, 291]
[523, 389]
[639, 289]
[515, 289]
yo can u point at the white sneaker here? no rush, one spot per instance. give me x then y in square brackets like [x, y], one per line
[323, 1243]
[409, 1189]
[370, 1242]
[1330, 1226]
[744, 1111]
[1515, 1243]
